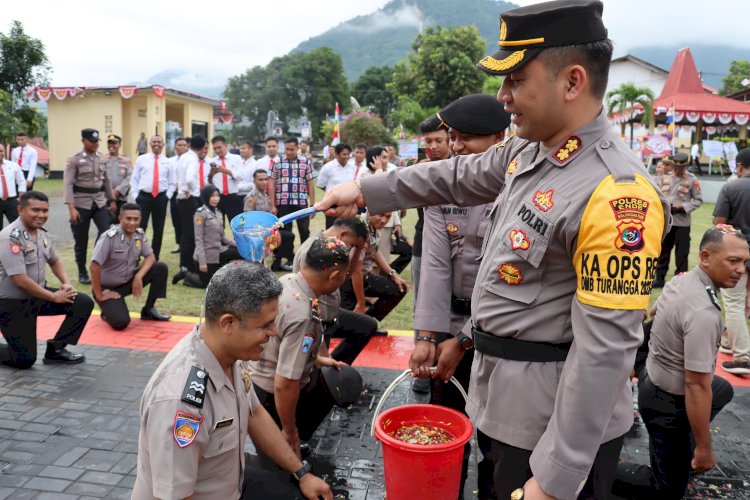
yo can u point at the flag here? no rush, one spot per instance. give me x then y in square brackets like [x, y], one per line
[335, 135]
[670, 125]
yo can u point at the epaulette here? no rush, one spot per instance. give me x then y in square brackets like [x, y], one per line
[43, 229]
[502, 144]
[112, 232]
[16, 233]
[200, 209]
[195, 387]
[139, 230]
[712, 295]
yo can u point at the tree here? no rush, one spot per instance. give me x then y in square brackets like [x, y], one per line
[625, 97]
[492, 84]
[360, 127]
[23, 65]
[738, 71]
[297, 83]
[441, 66]
[370, 90]
[410, 114]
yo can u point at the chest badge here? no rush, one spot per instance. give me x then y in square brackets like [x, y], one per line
[138, 244]
[512, 166]
[510, 274]
[518, 240]
[571, 146]
[246, 379]
[186, 427]
[451, 228]
[543, 200]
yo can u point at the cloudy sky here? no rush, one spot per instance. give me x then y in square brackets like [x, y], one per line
[88, 44]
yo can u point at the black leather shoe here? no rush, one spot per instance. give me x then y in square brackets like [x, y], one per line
[421, 385]
[84, 279]
[381, 333]
[62, 356]
[285, 268]
[658, 283]
[153, 314]
[176, 250]
[177, 277]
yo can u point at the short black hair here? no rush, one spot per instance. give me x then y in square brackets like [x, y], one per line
[744, 157]
[268, 139]
[21, 134]
[715, 235]
[249, 144]
[340, 147]
[361, 145]
[240, 288]
[292, 140]
[197, 142]
[129, 206]
[218, 138]
[432, 124]
[327, 253]
[259, 171]
[595, 57]
[180, 139]
[32, 195]
[371, 154]
[356, 225]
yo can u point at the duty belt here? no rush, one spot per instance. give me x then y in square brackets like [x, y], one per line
[461, 306]
[519, 350]
[79, 189]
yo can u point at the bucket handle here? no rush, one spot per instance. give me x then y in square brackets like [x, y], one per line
[392, 387]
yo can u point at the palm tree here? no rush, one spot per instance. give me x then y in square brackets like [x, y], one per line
[626, 96]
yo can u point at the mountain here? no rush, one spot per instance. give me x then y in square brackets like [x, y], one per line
[712, 60]
[187, 81]
[385, 36]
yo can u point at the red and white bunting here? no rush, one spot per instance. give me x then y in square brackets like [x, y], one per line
[31, 93]
[711, 130]
[223, 106]
[128, 91]
[725, 118]
[44, 94]
[693, 116]
[158, 90]
[74, 91]
[61, 94]
[678, 116]
[709, 117]
[228, 118]
[741, 118]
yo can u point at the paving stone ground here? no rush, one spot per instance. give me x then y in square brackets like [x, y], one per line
[71, 432]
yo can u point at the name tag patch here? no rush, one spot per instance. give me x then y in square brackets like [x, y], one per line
[224, 423]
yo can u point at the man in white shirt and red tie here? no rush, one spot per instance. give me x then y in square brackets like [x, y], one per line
[153, 183]
[226, 175]
[271, 156]
[358, 160]
[12, 182]
[336, 172]
[248, 165]
[25, 156]
[193, 176]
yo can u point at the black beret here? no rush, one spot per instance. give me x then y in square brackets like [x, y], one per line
[679, 160]
[90, 134]
[477, 114]
[525, 31]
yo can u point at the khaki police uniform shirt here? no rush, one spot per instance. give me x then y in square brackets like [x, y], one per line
[686, 331]
[210, 239]
[23, 253]
[593, 224]
[256, 200]
[90, 172]
[685, 191]
[211, 464]
[451, 242]
[294, 351]
[329, 304]
[118, 255]
[119, 170]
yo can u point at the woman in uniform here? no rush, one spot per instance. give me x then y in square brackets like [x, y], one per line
[212, 247]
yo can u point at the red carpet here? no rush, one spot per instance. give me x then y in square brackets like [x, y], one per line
[391, 353]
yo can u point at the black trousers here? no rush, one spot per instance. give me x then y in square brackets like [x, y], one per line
[18, 325]
[115, 311]
[512, 469]
[227, 255]
[9, 207]
[174, 213]
[268, 484]
[303, 224]
[375, 285]
[671, 442]
[403, 249]
[355, 329]
[187, 209]
[679, 239]
[115, 216]
[156, 207]
[102, 218]
[313, 405]
[231, 205]
[286, 248]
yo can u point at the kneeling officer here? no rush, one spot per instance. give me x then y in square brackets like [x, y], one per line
[115, 272]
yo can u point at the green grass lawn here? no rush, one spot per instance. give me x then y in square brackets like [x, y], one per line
[187, 301]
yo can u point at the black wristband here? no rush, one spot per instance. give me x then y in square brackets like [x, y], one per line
[306, 467]
[427, 339]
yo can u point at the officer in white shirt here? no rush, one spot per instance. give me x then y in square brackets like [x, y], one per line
[358, 160]
[25, 157]
[271, 156]
[226, 175]
[248, 166]
[153, 183]
[180, 148]
[336, 172]
[12, 182]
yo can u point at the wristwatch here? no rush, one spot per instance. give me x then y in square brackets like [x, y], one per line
[466, 342]
[517, 494]
[306, 467]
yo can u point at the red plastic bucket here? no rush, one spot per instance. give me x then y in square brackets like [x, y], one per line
[422, 472]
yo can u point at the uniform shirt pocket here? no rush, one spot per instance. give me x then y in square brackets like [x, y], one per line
[221, 441]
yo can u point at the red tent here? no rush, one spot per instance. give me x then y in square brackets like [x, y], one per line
[684, 92]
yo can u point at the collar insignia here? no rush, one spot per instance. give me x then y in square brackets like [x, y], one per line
[568, 149]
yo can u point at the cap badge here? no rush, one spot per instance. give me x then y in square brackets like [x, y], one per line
[510, 274]
[572, 145]
[493, 64]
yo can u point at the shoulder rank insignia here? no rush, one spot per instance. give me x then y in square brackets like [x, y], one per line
[195, 387]
[200, 209]
[186, 427]
[568, 149]
[139, 230]
[502, 144]
[111, 233]
[712, 295]
[246, 379]
[15, 233]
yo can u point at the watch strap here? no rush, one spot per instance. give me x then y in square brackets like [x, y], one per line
[427, 339]
[306, 467]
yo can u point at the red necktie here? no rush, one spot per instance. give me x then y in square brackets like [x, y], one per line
[356, 171]
[270, 167]
[155, 186]
[225, 181]
[201, 180]
[20, 158]
[5, 185]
